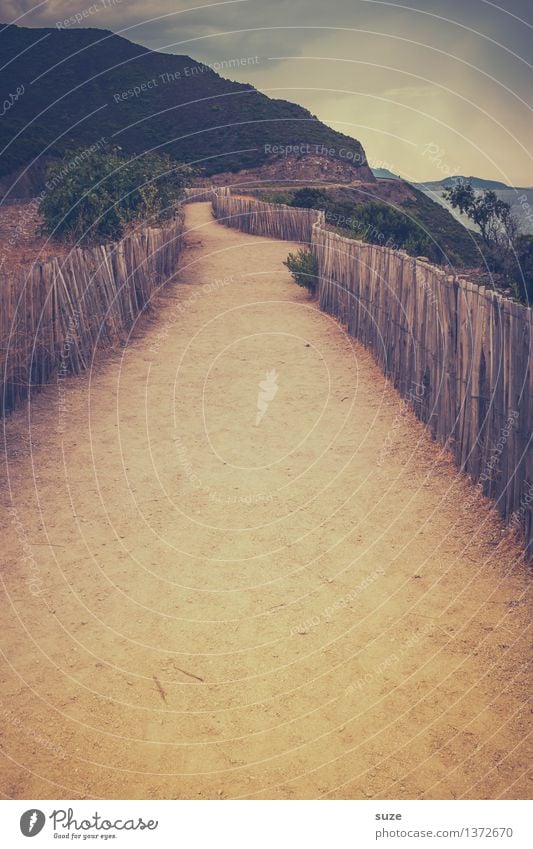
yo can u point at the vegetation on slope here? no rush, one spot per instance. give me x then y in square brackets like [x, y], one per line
[81, 85]
[95, 197]
[416, 224]
[507, 254]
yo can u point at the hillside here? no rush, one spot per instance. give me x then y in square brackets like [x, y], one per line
[384, 174]
[78, 88]
[72, 88]
[449, 241]
[475, 182]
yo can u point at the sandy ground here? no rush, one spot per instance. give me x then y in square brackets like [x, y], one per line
[195, 605]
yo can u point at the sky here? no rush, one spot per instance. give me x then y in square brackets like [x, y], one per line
[430, 87]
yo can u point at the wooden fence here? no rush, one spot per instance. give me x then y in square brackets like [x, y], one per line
[265, 219]
[56, 314]
[460, 354]
[197, 194]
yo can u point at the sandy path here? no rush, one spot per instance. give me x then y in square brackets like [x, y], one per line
[196, 606]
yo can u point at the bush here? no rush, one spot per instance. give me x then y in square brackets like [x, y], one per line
[304, 268]
[277, 197]
[372, 221]
[94, 197]
[521, 275]
[380, 224]
[310, 199]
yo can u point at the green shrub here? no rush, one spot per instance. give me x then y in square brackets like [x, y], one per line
[380, 224]
[93, 197]
[304, 268]
[521, 273]
[309, 199]
[277, 197]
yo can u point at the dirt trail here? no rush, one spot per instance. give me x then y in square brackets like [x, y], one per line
[196, 605]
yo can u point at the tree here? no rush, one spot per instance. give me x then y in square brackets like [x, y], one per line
[94, 196]
[510, 255]
[493, 216]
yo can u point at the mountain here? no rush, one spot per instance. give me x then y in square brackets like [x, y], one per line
[475, 182]
[72, 88]
[384, 174]
[65, 89]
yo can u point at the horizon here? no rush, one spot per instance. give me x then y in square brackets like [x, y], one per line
[434, 91]
[378, 166]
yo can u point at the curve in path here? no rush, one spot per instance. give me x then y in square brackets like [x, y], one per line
[234, 564]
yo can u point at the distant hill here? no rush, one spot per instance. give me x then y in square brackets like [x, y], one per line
[68, 88]
[475, 182]
[384, 174]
